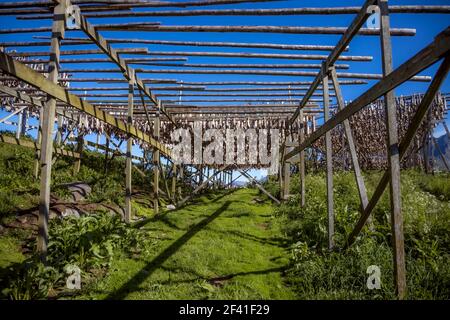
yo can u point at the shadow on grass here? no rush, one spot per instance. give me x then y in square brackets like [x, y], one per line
[133, 284]
[273, 241]
[163, 217]
[210, 198]
[220, 279]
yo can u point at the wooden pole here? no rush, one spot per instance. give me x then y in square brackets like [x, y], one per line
[80, 146]
[287, 180]
[19, 125]
[302, 160]
[106, 48]
[164, 175]
[329, 164]
[422, 60]
[286, 177]
[350, 32]
[416, 122]
[47, 123]
[128, 163]
[79, 41]
[181, 175]
[259, 186]
[156, 161]
[446, 129]
[154, 27]
[150, 26]
[141, 51]
[174, 182]
[37, 155]
[393, 157]
[59, 130]
[444, 160]
[97, 141]
[251, 12]
[351, 144]
[200, 187]
[105, 170]
[22, 72]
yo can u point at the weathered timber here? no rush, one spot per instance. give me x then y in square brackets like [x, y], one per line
[422, 60]
[26, 74]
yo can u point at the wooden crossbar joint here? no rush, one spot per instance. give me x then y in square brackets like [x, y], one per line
[373, 9]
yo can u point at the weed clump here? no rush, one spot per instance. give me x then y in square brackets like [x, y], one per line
[316, 273]
[90, 243]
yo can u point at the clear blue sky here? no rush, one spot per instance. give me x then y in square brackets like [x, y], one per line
[427, 26]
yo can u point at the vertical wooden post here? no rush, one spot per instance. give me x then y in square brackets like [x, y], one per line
[156, 161]
[20, 120]
[281, 172]
[351, 144]
[47, 122]
[302, 160]
[128, 162]
[446, 129]
[314, 151]
[286, 179]
[97, 141]
[80, 145]
[24, 122]
[59, 131]
[174, 181]
[37, 155]
[329, 163]
[436, 145]
[425, 152]
[181, 175]
[393, 157]
[106, 154]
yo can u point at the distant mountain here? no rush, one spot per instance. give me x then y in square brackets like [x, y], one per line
[444, 144]
[263, 179]
[240, 183]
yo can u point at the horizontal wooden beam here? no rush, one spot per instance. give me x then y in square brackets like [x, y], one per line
[105, 60]
[265, 83]
[246, 65]
[78, 52]
[279, 46]
[30, 76]
[254, 12]
[130, 74]
[36, 146]
[183, 54]
[439, 48]
[416, 122]
[346, 38]
[154, 27]
[346, 75]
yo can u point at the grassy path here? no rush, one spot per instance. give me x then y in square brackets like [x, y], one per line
[219, 247]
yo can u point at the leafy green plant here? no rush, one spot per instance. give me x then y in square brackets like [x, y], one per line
[316, 273]
[89, 242]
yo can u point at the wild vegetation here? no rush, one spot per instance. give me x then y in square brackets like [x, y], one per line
[316, 273]
[229, 244]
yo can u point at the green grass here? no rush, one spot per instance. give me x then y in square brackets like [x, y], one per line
[316, 273]
[437, 185]
[9, 252]
[220, 247]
